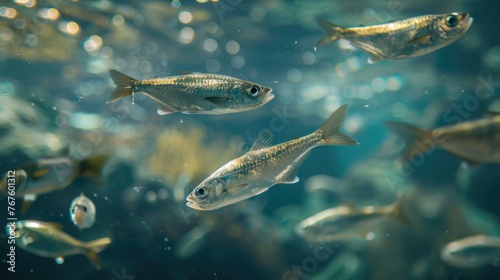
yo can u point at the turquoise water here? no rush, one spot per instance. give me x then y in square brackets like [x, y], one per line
[54, 83]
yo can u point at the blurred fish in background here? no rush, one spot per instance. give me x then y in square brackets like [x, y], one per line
[82, 211]
[46, 240]
[48, 175]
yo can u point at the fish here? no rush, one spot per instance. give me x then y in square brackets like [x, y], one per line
[475, 141]
[263, 167]
[472, 252]
[82, 212]
[194, 93]
[48, 240]
[401, 39]
[345, 222]
[47, 175]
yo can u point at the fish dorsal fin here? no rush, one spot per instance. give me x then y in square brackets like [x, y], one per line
[185, 72]
[263, 140]
[220, 101]
[290, 176]
[165, 109]
[426, 39]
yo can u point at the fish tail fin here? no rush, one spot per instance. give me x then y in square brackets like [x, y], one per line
[332, 32]
[330, 129]
[419, 140]
[92, 166]
[94, 247]
[398, 212]
[123, 84]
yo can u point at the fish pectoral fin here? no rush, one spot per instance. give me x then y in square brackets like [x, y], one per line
[93, 248]
[27, 202]
[235, 189]
[94, 258]
[374, 58]
[260, 191]
[220, 101]
[263, 140]
[165, 109]
[422, 40]
[291, 180]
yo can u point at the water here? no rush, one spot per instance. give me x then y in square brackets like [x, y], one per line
[55, 57]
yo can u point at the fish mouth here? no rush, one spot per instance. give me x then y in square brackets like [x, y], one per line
[266, 99]
[192, 204]
[467, 20]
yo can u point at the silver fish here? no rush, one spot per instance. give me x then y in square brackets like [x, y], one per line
[48, 175]
[472, 252]
[345, 222]
[263, 167]
[403, 38]
[82, 212]
[475, 141]
[194, 93]
[47, 240]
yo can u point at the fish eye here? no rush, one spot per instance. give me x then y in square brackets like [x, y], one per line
[201, 193]
[253, 91]
[451, 21]
[84, 209]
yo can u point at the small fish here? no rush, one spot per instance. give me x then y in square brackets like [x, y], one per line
[345, 222]
[48, 240]
[401, 39]
[82, 212]
[48, 175]
[475, 141]
[263, 167]
[194, 93]
[472, 252]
